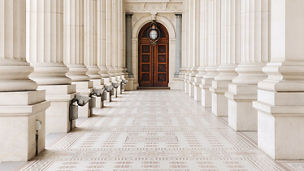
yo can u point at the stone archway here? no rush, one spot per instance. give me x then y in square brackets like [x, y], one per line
[135, 31]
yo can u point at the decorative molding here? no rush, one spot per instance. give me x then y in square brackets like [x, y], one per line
[156, 6]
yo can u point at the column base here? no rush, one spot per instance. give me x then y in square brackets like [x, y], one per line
[197, 90]
[19, 112]
[191, 89]
[176, 84]
[280, 124]
[57, 115]
[84, 88]
[241, 115]
[206, 98]
[219, 101]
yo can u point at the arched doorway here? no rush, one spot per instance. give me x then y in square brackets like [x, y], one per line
[153, 56]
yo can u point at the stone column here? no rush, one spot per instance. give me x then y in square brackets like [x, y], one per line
[114, 40]
[213, 44]
[185, 57]
[101, 40]
[45, 53]
[254, 54]
[120, 40]
[230, 55]
[90, 48]
[281, 96]
[108, 40]
[74, 50]
[129, 44]
[90, 41]
[21, 106]
[199, 52]
[188, 55]
[203, 46]
[178, 44]
[192, 45]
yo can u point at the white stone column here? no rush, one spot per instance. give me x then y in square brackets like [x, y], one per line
[254, 54]
[204, 9]
[45, 53]
[21, 106]
[281, 96]
[185, 62]
[197, 57]
[74, 50]
[230, 56]
[101, 40]
[192, 45]
[90, 41]
[213, 48]
[114, 40]
[108, 40]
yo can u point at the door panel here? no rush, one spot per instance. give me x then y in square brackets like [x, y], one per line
[153, 59]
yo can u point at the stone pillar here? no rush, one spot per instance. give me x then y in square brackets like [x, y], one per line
[199, 56]
[114, 40]
[281, 96]
[21, 106]
[203, 47]
[185, 57]
[101, 40]
[120, 40]
[254, 54]
[229, 56]
[74, 50]
[45, 53]
[90, 48]
[192, 46]
[129, 44]
[178, 49]
[213, 44]
[108, 40]
[188, 55]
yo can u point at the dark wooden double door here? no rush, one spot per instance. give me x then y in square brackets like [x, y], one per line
[153, 59]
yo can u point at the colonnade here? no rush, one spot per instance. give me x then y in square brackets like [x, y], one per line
[49, 51]
[247, 64]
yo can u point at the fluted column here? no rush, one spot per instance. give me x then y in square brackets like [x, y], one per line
[187, 45]
[120, 39]
[74, 50]
[230, 55]
[90, 39]
[198, 51]
[192, 45]
[213, 54]
[203, 47]
[281, 96]
[114, 39]
[101, 39]
[254, 54]
[45, 53]
[21, 106]
[109, 40]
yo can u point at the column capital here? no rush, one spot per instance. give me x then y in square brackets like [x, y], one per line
[178, 14]
[129, 14]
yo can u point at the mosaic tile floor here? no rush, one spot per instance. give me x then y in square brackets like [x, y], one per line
[158, 130]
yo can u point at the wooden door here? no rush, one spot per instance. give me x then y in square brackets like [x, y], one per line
[153, 58]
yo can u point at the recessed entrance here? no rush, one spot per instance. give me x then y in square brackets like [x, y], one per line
[153, 56]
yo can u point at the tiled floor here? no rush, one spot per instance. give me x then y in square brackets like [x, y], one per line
[155, 130]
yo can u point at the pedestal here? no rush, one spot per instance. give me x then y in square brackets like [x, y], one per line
[219, 101]
[19, 112]
[84, 88]
[280, 124]
[57, 115]
[206, 99]
[197, 90]
[241, 115]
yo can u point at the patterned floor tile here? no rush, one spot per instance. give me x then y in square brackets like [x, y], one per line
[158, 130]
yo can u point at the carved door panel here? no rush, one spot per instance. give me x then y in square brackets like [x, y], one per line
[153, 64]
